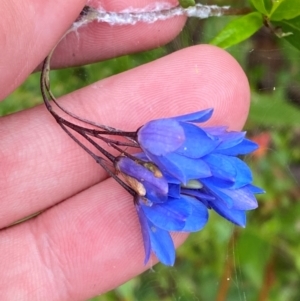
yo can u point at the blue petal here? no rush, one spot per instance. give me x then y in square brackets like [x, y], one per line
[255, 189]
[245, 147]
[221, 167]
[198, 217]
[198, 194]
[216, 182]
[161, 136]
[240, 199]
[170, 179]
[181, 168]
[243, 173]
[243, 198]
[230, 139]
[190, 168]
[153, 192]
[197, 142]
[215, 130]
[196, 117]
[170, 215]
[162, 245]
[174, 191]
[221, 197]
[237, 217]
[156, 188]
[145, 232]
[168, 168]
[230, 169]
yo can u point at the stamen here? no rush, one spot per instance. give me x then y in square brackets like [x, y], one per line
[193, 184]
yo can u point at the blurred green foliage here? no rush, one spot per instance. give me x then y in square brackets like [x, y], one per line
[262, 261]
[280, 16]
[186, 3]
[234, 32]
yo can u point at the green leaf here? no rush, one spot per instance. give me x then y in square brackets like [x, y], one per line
[238, 30]
[290, 30]
[285, 10]
[268, 5]
[260, 6]
[187, 3]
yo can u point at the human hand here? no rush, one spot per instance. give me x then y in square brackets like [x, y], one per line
[88, 241]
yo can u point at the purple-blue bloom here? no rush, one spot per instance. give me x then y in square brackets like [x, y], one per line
[174, 212]
[177, 146]
[207, 156]
[183, 171]
[184, 214]
[144, 181]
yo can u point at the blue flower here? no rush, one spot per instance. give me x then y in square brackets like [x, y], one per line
[183, 171]
[183, 214]
[177, 146]
[205, 157]
[230, 203]
[147, 181]
[158, 217]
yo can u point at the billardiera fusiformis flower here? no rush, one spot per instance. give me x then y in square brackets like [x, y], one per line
[161, 208]
[203, 160]
[199, 164]
[183, 171]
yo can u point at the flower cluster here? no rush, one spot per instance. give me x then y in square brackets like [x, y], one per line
[183, 171]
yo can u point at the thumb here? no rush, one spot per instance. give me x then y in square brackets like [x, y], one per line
[28, 31]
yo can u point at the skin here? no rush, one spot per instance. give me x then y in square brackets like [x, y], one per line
[88, 240]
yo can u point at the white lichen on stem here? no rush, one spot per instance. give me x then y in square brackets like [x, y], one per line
[159, 13]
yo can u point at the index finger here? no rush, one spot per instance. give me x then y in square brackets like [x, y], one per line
[99, 41]
[46, 167]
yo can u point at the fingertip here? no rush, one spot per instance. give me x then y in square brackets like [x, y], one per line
[189, 80]
[212, 78]
[229, 81]
[100, 41]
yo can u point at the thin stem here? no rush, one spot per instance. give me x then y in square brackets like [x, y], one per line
[106, 128]
[114, 142]
[45, 89]
[121, 150]
[44, 81]
[101, 149]
[46, 92]
[100, 161]
[82, 131]
[93, 132]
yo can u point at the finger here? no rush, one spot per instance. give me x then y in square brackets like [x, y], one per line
[42, 166]
[32, 29]
[85, 246]
[99, 41]
[28, 31]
